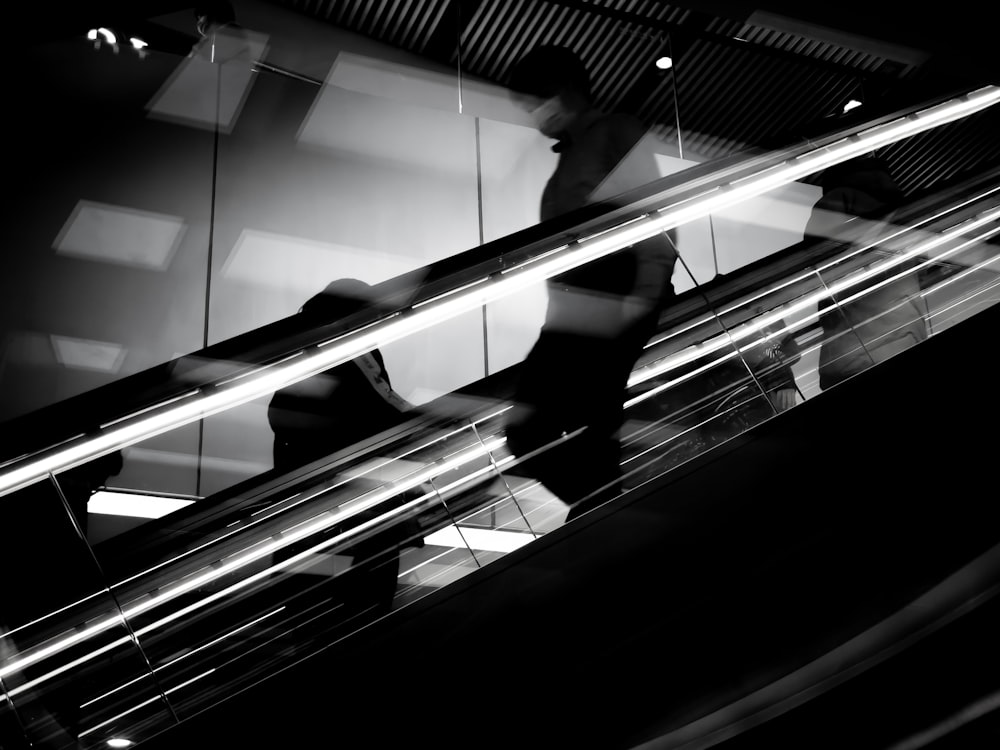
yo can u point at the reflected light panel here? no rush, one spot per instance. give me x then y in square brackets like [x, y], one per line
[120, 235]
[294, 263]
[84, 354]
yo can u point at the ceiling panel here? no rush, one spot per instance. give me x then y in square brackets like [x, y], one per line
[734, 84]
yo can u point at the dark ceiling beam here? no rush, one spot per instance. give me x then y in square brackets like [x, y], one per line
[960, 34]
[685, 33]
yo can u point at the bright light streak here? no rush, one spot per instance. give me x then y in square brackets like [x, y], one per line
[734, 336]
[248, 557]
[154, 699]
[347, 347]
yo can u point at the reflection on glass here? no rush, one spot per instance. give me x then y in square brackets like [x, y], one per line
[261, 534]
[111, 219]
[64, 685]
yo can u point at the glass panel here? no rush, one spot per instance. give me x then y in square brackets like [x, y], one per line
[486, 515]
[900, 254]
[771, 328]
[111, 216]
[962, 277]
[353, 163]
[682, 395]
[270, 573]
[67, 652]
[350, 161]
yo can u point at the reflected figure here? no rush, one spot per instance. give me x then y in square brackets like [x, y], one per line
[772, 366]
[888, 319]
[572, 383]
[331, 412]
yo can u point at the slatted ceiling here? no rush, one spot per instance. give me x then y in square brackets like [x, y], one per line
[421, 25]
[724, 27]
[408, 24]
[731, 94]
[476, 53]
[918, 162]
[811, 48]
[428, 27]
[616, 57]
[744, 98]
[658, 106]
[626, 60]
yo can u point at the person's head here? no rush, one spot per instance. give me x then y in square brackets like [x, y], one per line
[869, 174]
[339, 299]
[552, 84]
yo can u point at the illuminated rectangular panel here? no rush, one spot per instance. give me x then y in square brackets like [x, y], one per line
[399, 81]
[306, 266]
[210, 86]
[391, 133]
[120, 235]
[84, 354]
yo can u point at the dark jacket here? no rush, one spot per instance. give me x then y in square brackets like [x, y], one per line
[339, 407]
[605, 155]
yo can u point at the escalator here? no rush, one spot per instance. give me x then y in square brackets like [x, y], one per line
[746, 545]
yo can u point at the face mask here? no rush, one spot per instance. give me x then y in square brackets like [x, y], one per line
[546, 115]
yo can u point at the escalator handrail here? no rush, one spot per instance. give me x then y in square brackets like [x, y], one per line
[80, 430]
[218, 508]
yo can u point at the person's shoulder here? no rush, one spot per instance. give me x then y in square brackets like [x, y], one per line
[618, 131]
[619, 123]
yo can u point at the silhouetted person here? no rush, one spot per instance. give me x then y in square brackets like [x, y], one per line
[333, 411]
[881, 322]
[341, 406]
[599, 315]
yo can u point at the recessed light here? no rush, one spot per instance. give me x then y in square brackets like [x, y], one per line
[664, 63]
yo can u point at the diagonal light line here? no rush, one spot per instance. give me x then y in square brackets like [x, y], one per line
[27, 470]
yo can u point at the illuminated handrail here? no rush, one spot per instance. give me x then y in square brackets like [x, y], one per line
[257, 548]
[707, 198]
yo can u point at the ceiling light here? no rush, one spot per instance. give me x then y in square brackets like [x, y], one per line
[137, 43]
[664, 63]
[119, 742]
[109, 37]
[851, 105]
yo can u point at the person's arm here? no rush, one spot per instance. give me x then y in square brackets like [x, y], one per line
[635, 166]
